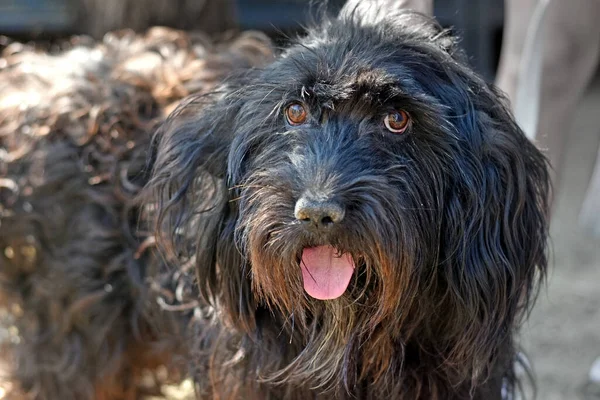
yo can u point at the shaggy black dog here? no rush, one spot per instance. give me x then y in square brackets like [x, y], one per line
[366, 219]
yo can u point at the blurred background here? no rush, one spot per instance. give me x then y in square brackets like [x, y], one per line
[478, 22]
[562, 337]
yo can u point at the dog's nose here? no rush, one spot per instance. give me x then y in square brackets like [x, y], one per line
[322, 214]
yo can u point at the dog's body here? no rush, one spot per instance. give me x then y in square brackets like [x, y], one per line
[365, 218]
[76, 260]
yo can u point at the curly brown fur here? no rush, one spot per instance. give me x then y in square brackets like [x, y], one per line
[446, 224]
[79, 275]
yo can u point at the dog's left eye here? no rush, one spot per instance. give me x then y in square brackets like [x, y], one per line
[296, 114]
[397, 121]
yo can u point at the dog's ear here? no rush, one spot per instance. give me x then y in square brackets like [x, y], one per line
[195, 219]
[495, 223]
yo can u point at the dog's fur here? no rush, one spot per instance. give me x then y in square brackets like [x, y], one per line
[75, 126]
[446, 224]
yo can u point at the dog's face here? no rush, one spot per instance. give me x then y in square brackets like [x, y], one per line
[365, 179]
[342, 158]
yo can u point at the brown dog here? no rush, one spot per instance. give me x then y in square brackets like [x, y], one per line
[79, 318]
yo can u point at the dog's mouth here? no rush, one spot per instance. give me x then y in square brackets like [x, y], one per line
[326, 273]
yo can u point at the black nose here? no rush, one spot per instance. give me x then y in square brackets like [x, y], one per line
[322, 214]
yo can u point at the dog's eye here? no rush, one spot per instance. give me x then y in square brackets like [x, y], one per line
[397, 121]
[296, 114]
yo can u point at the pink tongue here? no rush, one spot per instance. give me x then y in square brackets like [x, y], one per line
[326, 274]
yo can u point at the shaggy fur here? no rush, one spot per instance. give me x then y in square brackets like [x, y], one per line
[79, 315]
[446, 223]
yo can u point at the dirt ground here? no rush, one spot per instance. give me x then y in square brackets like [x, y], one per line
[562, 336]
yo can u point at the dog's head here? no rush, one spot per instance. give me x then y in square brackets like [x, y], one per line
[366, 186]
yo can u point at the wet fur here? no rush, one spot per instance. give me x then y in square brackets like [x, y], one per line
[447, 223]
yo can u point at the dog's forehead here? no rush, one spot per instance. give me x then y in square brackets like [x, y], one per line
[365, 83]
[338, 73]
[346, 60]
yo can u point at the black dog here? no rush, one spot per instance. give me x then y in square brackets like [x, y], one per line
[366, 218]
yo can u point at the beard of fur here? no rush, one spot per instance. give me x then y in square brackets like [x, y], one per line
[403, 307]
[364, 327]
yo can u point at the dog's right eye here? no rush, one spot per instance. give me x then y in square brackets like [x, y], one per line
[397, 122]
[296, 114]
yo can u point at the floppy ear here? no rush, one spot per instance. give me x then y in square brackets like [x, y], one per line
[495, 225]
[195, 221]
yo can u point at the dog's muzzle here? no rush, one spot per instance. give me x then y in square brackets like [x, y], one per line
[318, 214]
[326, 272]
